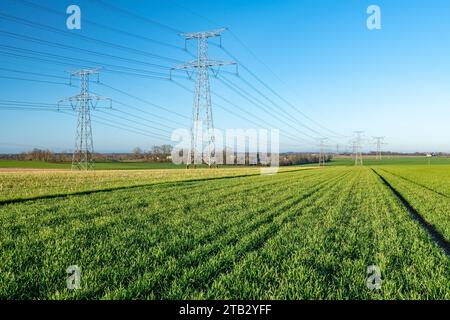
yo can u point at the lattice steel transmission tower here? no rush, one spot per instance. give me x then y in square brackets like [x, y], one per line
[379, 142]
[358, 148]
[353, 146]
[83, 103]
[322, 151]
[202, 110]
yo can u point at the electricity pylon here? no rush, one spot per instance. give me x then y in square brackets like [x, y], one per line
[353, 146]
[202, 109]
[322, 151]
[83, 103]
[358, 148]
[379, 142]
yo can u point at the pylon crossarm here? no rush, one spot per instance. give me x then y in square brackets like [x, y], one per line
[94, 99]
[86, 71]
[219, 63]
[203, 64]
[202, 34]
[71, 101]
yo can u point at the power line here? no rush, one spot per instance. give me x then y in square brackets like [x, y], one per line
[91, 52]
[147, 102]
[262, 82]
[128, 126]
[277, 94]
[33, 80]
[234, 36]
[288, 116]
[132, 115]
[85, 38]
[240, 116]
[33, 73]
[129, 71]
[256, 117]
[43, 8]
[30, 108]
[116, 101]
[108, 124]
[244, 94]
[270, 89]
[17, 102]
[144, 101]
[279, 79]
[146, 112]
[260, 61]
[16, 105]
[19, 56]
[136, 16]
[135, 122]
[143, 119]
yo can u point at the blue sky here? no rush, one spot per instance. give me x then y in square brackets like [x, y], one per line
[318, 55]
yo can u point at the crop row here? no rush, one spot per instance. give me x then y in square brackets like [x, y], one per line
[435, 178]
[432, 205]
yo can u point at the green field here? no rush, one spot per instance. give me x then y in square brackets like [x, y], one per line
[138, 165]
[393, 160]
[231, 233]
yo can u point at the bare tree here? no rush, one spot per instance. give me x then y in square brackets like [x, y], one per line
[137, 153]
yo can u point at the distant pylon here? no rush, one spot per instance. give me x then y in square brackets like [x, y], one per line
[353, 146]
[83, 103]
[202, 110]
[379, 142]
[322, 151]
[357, 147]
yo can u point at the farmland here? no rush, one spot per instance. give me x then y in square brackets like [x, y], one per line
[23, 185]
[117, 165]
[305, 233]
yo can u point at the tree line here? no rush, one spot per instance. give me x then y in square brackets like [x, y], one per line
[157, 153]
[289, 159]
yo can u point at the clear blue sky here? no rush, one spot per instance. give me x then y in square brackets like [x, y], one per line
[318, 55]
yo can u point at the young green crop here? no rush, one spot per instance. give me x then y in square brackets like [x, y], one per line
[35, 184]
[324, 250]
[428, 194]
[296, 235]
